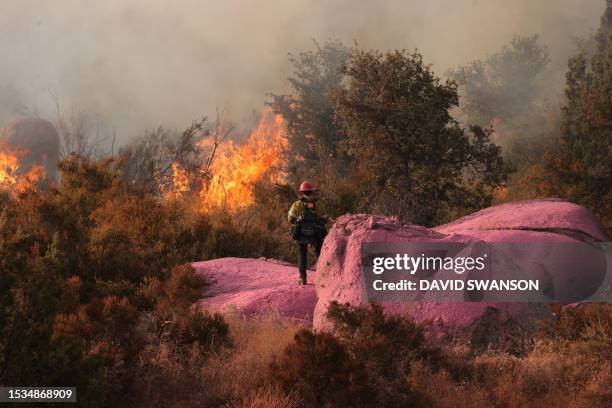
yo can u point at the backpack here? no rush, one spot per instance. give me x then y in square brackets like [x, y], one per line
[308, 228]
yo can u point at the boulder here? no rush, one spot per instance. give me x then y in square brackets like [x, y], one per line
[37, 139]
[536, 221]
[257, 286]
[520, 221]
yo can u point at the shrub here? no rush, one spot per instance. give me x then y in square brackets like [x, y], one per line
[574, 322]
[319, 368]
[366, 363]
[82, 266]
[385, 343]
[496, 330]
[207, 331]
[587, 328]
[181, 289]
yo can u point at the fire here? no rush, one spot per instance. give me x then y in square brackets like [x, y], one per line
[180, 182]
[12, 179]
[238, 167]
[9, 164]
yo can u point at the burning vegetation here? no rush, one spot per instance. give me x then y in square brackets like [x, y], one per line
[238, 167]
[229, 170]
[13, 177]
[93, 294]
[9, 163]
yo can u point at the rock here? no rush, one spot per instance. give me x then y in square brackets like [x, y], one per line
[519, 220]
[257, 286]
[538, 221]
[38, 138]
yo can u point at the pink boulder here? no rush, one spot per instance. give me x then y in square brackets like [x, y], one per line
[339, 276]
[519, 220]
[257, 286]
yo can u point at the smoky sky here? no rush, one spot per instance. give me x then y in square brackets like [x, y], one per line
[140, 63]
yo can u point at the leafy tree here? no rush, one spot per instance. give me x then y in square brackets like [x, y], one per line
[413, 158]
[313, 130]
[582, 168]
[506, 90]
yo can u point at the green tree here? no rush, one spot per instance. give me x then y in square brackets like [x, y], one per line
[313, 130]
[413, 158]
[582, 167]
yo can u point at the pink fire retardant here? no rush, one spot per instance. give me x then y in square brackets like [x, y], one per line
[339, 266]
[257, 286]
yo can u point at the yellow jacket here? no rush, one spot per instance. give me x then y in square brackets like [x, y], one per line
[297, 209]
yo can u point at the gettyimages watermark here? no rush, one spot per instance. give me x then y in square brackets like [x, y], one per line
[476, 272]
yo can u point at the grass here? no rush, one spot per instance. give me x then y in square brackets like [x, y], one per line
[239, 372]
[567, 365]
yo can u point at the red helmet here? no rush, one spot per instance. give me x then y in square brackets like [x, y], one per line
[306, 186]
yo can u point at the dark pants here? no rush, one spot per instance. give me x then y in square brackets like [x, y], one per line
[303, 255]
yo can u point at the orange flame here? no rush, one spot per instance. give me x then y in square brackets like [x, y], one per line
[9, 164]
[12, 179]
[180, 183]
[238, 167]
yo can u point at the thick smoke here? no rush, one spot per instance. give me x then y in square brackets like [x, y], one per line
[136, 64]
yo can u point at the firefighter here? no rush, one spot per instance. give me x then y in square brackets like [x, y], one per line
[307, 216]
